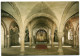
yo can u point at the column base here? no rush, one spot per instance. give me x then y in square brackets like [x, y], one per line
[74, 46]
[52, 46]
[8, 46]
[30, 46]
[60, 51]
[22, 51]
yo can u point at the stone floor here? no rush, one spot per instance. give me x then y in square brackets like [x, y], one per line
[33, 51]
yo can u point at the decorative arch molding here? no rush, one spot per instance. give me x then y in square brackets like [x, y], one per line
[74, 15]
[12, 23]
[41, 9]
[5, 33]
[15, 9]
[67, 8]
[4, 26]
[38, 15]
[6, 14]
[15, 13]
[39, 29]
[45, 25]
[34, 23]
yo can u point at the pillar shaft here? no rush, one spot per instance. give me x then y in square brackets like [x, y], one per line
[60, 42]
[60, 50]
[30, 38]
[5, 41]
[49, 36]
[30, 35]
[22, 45]
[22, 35]
[8, 38]
[52, 34]
[74, 39]
[49, 39]
[52, 40]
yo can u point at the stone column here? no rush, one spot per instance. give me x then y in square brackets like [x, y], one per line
[8, 41]
[22, 36]
[60, 50]
[5, 40]
[74, 39]
[30, 35]
[49, 36]
[77, 38]
[52, 35]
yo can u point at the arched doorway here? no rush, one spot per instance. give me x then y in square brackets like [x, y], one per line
[27, 36]
[41, 36]
[70, 31]
[14, 36]
[26, 40]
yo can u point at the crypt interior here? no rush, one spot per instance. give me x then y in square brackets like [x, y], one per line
[40, 28]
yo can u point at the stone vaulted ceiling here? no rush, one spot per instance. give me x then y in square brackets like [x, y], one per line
[21, 11]
[28, 8]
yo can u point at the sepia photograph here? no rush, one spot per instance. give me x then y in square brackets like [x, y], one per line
[39, 28]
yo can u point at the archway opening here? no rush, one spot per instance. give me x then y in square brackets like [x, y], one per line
[26, 40]
[70, 31]
[55, 36]
[46, 27]
[41, 36]
[27, 36]
[14, 36]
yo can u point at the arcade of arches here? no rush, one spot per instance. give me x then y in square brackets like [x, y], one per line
[49, 27]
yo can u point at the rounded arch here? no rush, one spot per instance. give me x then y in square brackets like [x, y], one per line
[41, 35]
[14, 11]
[74, 15]
[6, 14]
[69, 25]
[43, 20]
[38, 15]
[67, 8]
[36, 29]
[13, 23]
[41, 30]
[65, 12]
[13, 32]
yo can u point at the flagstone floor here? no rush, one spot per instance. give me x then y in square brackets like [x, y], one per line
[34, 51]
